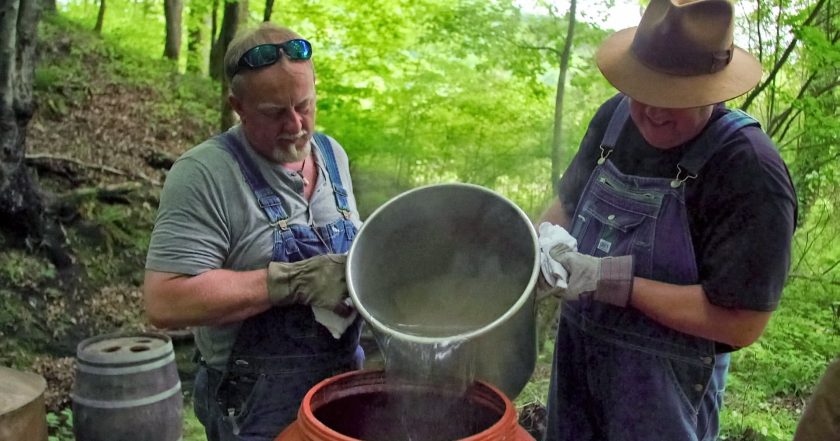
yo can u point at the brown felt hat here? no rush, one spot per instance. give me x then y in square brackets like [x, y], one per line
[681, 55]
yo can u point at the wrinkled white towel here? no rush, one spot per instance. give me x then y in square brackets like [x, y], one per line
[335, 323]
[550, 236]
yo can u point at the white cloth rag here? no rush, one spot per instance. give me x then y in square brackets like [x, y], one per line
[550, 236]
[335, 323]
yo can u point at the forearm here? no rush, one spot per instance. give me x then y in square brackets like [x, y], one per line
[686, 308]
[215, 297]
[556, 215]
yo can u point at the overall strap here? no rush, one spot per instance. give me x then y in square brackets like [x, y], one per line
[619, 118]
[269, 201]
[339, 192]
[712, 139]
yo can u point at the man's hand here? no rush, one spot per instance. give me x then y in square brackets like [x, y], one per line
[610, 278]
[317, 281]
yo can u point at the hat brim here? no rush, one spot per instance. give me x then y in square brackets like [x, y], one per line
[634, 79]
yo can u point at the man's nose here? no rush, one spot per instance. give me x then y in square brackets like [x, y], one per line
[655, 112]
[292, 122]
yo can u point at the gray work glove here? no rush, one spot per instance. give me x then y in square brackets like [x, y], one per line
[609, 278]
[317, 281]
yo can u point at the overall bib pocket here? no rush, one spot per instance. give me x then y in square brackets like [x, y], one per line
[604, 229]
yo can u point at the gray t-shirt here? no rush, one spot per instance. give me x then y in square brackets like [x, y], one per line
[209, 219]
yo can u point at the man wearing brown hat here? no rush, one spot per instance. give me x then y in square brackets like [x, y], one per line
[683, 212]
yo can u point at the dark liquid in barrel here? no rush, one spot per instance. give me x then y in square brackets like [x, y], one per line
[406, 416]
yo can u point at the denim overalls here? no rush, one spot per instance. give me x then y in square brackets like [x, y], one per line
[281, 353]
[619, 375]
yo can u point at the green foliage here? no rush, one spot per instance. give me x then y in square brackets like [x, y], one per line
[21, 328]
[126, 60]
[60, 425]
[190, 95]
[121, 234]
[24, 270]
[476, 78]
[137, 27]
[799, 107]
[193, 429]
[771, 380]
[536, 391]
[374, 187]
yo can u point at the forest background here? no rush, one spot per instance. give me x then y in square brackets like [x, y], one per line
[493, 93]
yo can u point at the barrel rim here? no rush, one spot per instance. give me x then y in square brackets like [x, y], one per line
[139, 357]
[524, 298]
[480, 391]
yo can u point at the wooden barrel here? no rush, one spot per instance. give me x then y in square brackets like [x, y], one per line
[127, 388]
[22, 412]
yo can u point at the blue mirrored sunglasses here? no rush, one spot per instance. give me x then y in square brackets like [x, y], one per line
[270, 53]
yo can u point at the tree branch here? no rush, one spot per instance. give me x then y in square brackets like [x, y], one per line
[779, 119]
[814, 279]
[541, 48]
[781, 62]
[34, 157]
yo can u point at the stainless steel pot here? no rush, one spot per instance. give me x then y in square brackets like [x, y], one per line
[452, 267]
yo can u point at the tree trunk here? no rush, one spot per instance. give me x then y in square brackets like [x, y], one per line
[269, 7]
[558, 156]
[100, 18]
[214, 24]
[242, 14]
[173, 11]
[22, 213]
[230, 21]
[227, 118]
[195, 48]
[20, 204]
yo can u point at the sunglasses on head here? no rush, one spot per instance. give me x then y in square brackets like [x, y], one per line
[270, 53]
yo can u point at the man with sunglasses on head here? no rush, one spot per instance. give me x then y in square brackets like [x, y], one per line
[683, 214]
[249, 246]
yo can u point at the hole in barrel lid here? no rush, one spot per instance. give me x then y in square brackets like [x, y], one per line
[112, 349]
[139, 348]
[144, 340]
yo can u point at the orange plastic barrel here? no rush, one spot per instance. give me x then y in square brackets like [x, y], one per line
[363, 405]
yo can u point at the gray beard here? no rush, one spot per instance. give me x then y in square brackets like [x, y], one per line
[290, 153]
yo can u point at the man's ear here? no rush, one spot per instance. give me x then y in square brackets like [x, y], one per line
[235, 104]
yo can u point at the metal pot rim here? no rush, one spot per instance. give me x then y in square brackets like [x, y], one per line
[412, 338]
